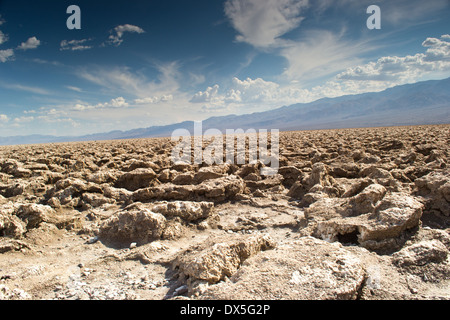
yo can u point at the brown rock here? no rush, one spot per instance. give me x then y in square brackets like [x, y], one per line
[304, 269]
[212, 262]
[377, 230]
[187, 210]
[136, 179]
[135, 225]
[421, 253]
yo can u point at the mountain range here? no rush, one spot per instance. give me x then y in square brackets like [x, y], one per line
[421, 103]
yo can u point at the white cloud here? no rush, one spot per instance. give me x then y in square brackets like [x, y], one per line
[400, 12]
[130, 83]
[31, 43]
[117, 33]
[313, 54]
[75, 45]
[153, 100]
[114, 79]
[42, 61]
[114, 103]
[55, 112]
[147, 100]
[6, 55]
[23, 119]
[50, 119]
[74, 88]
[4, 118]
[120, 30]
[438, 50]
[206, 96]
[3, 37]
[257, 90]
[82, 107]
[117, 103]
[20, 87]
[319, 54]
[258, 94]
[399, 70]
[261, 22]
[250, 95]
[196, 79]
[166, 98]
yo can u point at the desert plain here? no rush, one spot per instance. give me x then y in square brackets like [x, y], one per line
[351, 214]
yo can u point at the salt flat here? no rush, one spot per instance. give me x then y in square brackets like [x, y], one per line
[351, 214]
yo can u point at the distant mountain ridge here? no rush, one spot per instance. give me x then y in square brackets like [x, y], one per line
[421, 103]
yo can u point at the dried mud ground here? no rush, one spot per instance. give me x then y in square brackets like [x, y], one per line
[351, 214]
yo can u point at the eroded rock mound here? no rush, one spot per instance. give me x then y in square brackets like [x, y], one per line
[134, 225]
[307, 268]
[426, 260]
[16, 219]
[10, 225]
[219, 189]
[186, 210]
[136, 179]
[435, 189]
[372, 218]
[421, 253]
[144, 223]
[211, 263]
[355, 213]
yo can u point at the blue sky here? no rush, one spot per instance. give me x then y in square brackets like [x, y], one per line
[137, 63]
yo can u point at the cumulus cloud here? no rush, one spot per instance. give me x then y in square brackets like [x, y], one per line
[396, 70]
[152, 100]
[206, 96]
[31, 43]
[261, 22]
[438, 49]
[4, 118]
[147, 100]
[252, 94]
[23, 119]
[252, 90]
[6, 55]
[55, 120]
[117, 33]
[75, 45]
[114, 103]
[385, 72]
[117, 103]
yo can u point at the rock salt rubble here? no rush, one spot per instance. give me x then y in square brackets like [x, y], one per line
[351, 214]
